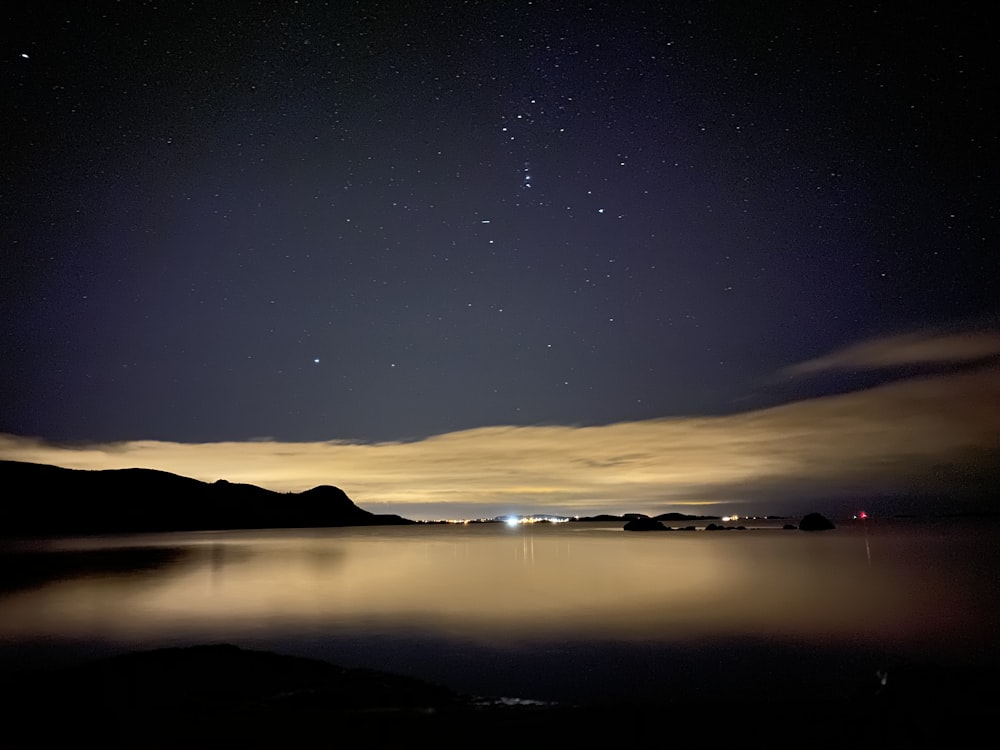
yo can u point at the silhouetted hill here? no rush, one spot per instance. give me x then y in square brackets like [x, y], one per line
[41, 499]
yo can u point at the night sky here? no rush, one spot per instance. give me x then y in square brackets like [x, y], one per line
[378, 222]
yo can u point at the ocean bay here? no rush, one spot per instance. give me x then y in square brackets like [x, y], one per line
[555, 611]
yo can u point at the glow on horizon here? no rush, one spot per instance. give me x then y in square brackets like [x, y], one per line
[861, 444]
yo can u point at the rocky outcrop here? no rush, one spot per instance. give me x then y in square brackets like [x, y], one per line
[815, 522]
[645, 524]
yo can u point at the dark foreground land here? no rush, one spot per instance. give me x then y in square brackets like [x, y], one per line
[219, 696]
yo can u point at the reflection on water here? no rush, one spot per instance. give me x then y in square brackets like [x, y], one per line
[28, 569]
[913, 587]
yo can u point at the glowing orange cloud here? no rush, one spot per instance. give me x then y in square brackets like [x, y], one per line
[893, 438]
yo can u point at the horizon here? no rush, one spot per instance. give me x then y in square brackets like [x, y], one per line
[898, 447]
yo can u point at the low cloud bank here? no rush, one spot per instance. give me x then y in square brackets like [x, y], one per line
[921, 435]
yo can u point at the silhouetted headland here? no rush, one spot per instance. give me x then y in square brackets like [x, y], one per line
[42, 500]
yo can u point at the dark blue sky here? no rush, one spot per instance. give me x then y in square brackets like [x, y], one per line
[377, 221]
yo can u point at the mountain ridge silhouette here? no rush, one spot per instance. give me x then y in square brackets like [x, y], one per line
[41, 499]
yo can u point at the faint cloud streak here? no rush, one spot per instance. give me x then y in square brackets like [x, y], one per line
[917, 348]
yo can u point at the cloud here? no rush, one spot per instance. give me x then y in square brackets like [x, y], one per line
[916, 348]
[894, 438]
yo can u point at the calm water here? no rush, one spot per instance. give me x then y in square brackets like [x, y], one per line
[568, 611]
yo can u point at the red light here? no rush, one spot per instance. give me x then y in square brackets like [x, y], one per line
[862, 515]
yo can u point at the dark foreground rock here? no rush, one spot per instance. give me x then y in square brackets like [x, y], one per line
[224, 696]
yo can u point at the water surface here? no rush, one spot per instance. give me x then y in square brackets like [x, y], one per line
[554, 610]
